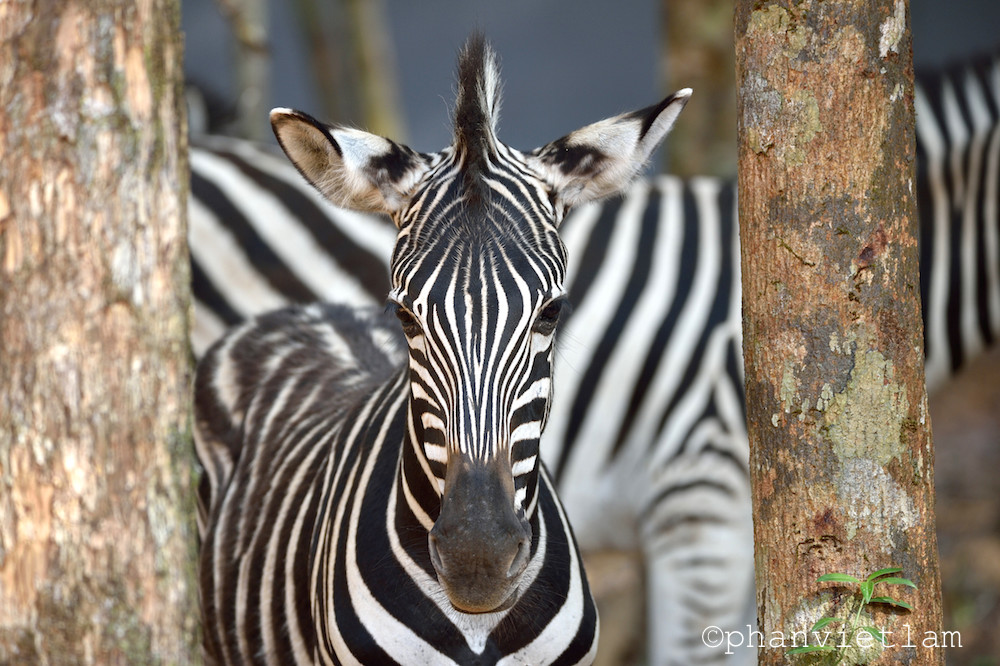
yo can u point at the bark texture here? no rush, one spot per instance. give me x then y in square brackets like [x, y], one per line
[841, 458]
[97, 539]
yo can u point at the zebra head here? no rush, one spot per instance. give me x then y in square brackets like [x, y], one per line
[477, 284]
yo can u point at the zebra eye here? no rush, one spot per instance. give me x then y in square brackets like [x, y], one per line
[548, 318]
[411, 327]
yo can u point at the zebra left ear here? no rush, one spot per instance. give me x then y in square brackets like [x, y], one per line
[351, 168]
[600, 160]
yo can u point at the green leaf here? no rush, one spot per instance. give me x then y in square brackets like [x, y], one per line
[890, 600]
[867, 590]
[893, 580]
[806, 649]
[822, 622]
[884, 572]
[837, 578]
[875, 633]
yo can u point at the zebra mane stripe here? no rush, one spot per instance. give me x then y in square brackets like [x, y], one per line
[478, 105]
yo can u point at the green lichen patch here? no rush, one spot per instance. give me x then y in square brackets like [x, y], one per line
[805, 109]
[788, 393]
[776, 20]
[866, 419]
[768, 20]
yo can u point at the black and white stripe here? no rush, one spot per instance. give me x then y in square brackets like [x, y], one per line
[262, 238]
[376, 498]
[958, 185]
[646, 438]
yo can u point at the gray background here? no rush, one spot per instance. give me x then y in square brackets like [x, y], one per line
[565, 62]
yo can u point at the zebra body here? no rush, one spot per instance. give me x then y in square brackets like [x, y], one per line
[326, 413]
[646, 440]
[662, 465]
[374, 497]
[958, 190]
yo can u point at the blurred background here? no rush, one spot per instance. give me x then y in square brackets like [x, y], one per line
[388, 66]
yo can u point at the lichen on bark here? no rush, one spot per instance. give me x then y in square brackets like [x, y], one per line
[866, 418]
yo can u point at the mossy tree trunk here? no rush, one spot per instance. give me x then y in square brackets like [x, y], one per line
[841, 457]
[97, 539]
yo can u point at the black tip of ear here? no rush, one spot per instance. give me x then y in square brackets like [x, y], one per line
[281, 117]
[651, 113]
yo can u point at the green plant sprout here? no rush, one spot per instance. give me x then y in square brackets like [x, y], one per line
[867, 589]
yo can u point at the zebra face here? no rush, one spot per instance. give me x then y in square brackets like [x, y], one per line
[479, 307]
[477, 282]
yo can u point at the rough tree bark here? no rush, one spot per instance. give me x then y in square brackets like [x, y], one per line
[841, 457]
[97, 541]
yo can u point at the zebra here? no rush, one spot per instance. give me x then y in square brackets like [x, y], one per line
[958, 189]
[373, 493]
[653, 338]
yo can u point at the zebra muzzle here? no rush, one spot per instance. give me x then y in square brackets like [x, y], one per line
[479, 546]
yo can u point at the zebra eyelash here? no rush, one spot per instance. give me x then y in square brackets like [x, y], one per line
[550, 314]
[409, 322]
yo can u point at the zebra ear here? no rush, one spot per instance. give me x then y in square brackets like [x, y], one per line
[351, 168]
[600, 160]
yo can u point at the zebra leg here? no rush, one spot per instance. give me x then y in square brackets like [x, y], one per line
[697, 538]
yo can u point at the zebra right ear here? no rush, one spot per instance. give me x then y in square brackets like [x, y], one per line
[351, 168]
[601, 159]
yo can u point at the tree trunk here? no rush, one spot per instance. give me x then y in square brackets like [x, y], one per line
[840, 447]
[371, 50]
[353, 63]
[697, 51]
[248, 21]
[97, 541]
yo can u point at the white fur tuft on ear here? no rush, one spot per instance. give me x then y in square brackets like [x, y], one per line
[351, 168]
[601, 159]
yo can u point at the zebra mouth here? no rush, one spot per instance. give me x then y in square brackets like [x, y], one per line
[504, 605]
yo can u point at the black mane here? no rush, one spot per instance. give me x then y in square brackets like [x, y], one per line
[478, 103]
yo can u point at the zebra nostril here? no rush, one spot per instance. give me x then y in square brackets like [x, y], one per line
[520, 561]
[432, 548]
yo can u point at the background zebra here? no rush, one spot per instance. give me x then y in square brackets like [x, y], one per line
[367, 504]
[958, 189]
[656, 346]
